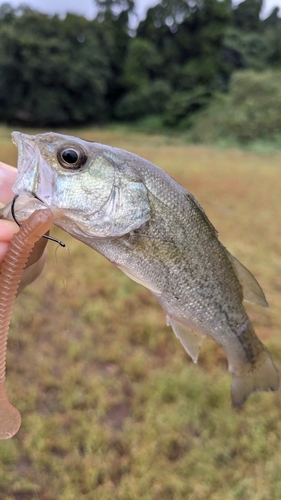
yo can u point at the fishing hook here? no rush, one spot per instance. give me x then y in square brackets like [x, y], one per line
[61, 243]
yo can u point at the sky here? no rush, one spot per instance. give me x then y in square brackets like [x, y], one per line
[86, 7]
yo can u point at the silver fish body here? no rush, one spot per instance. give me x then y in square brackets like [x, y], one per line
[155, 231]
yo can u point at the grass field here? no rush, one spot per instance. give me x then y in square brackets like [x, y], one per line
[112, 407]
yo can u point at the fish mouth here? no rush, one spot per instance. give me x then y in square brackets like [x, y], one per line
[25, 144]
[33, 180]
[27, 176]
[16, 137]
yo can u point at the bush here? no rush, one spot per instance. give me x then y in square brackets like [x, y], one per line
[250, 112]
[182, 106]
[149, 100]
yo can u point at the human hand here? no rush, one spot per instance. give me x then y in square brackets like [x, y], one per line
[8, 228]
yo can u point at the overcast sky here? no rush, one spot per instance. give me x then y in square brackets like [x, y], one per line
[86, 7]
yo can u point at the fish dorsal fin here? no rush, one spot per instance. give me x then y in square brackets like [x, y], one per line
[252, 291]
[191, 340]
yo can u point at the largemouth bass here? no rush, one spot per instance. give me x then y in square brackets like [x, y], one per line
[155, 231]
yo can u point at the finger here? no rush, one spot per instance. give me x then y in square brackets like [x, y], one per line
[3, 249]
[7, 230]
[7, 180]
[8, 167]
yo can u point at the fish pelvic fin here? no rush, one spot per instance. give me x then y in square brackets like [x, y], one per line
[258, 375]
[191, 340]
[252, 291]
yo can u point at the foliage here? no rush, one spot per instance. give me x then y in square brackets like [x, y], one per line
[252, 49]
[172, 65]
[112, 407]
[189, 36]
[251, 110]
[52, 71]
[148, 100]
[246, 15]
[182, 107]
[141, 65]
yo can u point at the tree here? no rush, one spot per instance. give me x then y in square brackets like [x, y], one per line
[52, 71]
[252, 49]
[142, 64]
[273, 20]
[187, 37]
[113, 17]
[246, 16]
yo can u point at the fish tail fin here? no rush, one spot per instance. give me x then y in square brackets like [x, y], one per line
[258, 375]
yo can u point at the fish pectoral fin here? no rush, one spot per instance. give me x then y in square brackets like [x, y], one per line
[190, 339]
[252, 291]
[153, 288]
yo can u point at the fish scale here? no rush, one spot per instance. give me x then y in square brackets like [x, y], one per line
[156, 232]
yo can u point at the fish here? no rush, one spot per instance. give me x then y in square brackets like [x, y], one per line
[156, 232]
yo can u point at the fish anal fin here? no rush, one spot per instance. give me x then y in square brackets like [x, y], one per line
[190, 339]
[252, 291]
[260, 375]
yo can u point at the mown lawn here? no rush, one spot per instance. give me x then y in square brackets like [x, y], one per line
[112, 407]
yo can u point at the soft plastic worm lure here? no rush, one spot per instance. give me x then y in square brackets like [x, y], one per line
[12, 268]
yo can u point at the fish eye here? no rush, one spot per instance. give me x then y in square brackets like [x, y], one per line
[72, 157]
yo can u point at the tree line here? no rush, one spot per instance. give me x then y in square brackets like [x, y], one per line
[65, 72]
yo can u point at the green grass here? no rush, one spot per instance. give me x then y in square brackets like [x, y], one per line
[112, 407]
